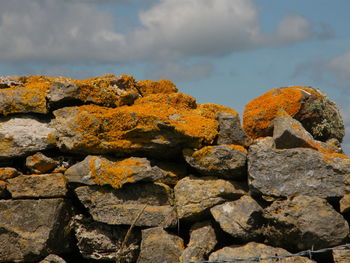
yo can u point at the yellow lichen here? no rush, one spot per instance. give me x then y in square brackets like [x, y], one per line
[148, 87]
[175, 100]
[210, 110]
[238, 148]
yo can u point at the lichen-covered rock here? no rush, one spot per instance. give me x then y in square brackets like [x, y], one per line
[32, 229]
[158, 246]
[148, 87]
[8, 81]
[202, 242]
[228, 161]
[231, 131]
[53, 259]
[341, 255]
[281, 173]
[40, 163]
[99, 241]
[103, 171]
[256, 250]
[23, 135]
[303, 222]
[313, 109]
[38, 186]
[154, 128]
[8, 173]
[194, 196]
[241, 218]
[121, 206]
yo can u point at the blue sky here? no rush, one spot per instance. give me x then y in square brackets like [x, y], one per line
[220, 51]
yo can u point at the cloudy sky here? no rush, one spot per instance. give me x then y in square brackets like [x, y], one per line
[220, 51]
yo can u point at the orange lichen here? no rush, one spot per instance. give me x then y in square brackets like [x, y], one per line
[148, 87]
[259, 112]
[175, 100]
[238, 148]
[210, 110]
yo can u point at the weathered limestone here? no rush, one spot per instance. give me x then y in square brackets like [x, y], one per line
[158, 246]
[228, 161]
[194, 196]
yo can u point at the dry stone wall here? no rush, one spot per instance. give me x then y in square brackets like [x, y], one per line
[111, 169]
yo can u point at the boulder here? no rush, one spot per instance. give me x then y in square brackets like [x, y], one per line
[38, 186]
[241, 218]
[158, 246]
[231, 131]
[99, 241]
[103, 171]
[22, 135]
[228, 161]
[121, 206]
[8, 173]
[33, 229]
[40, 163]
[202, 242]
[318, 114]
[303, 222]
[195, 196]
[286, 172]
[254, 251]
[52, 258]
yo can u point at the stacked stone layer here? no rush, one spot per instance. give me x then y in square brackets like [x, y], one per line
[114, 169]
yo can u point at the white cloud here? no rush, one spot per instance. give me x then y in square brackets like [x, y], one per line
[340, 65]
[77, 31]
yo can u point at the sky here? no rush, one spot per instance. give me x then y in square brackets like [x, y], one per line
[220, 51]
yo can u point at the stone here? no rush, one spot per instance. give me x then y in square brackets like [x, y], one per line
[344, 204]
[38, 186]
[40, 163]
[158, 246]
[8, 173]
[231, 131]
[53, 259]
[256, 250]
[303, 222]
[148, 87]
[202, 242]
[317, 113]
[241, 218]
[286, 172]
[3, 191]
[99, 241]
[174, 172]
[195, 196]
[121, 206]
[22, 135]
[103, 171]
[33, 229]
[8, 81]
[157, 125]
[228, 161]
[341, 255]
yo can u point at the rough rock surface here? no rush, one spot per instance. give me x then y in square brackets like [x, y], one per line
[39, 163]
[202, 242]
[103, 171]
[53, 259]
[158, 246]
[100, 241]
[3, 191]
[231, 131]
[341, 256]
[8, 172]
[241, 218]
[32, 229]
[194, 196]
[228, 161]
[318, 114]
[282, 173]
[256, 250]
[38, 186]
[121, 206]
[22, 135]
[303, 222]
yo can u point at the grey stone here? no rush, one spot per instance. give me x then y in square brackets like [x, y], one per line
[304, 222]
[231, 131]
[38, 186]
[101, 241]
[202, 242]
[106, 171]
[228, 161]
[282, 173]
[23, 135]
[158, 246]
[8, 81]
[63, 91]
[33, 229]
[121, 206]
[255, 250]
[241, 218]
[194, 196]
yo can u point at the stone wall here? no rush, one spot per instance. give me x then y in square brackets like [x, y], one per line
[109, 169]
